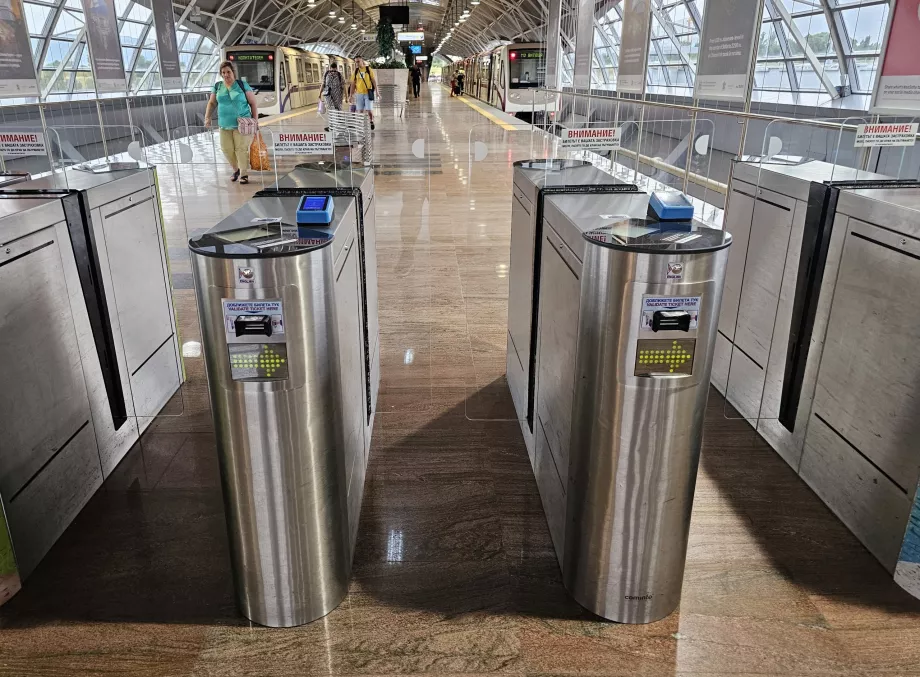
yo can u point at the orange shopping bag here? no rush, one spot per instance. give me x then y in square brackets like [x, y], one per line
[258, 154]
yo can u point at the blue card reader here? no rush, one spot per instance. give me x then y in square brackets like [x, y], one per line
[670, 206]
[315, 209]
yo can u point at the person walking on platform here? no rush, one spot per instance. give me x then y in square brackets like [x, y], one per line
[416, 73]
[333, 87]
[235, 103]
[460, 77]
[362, 88]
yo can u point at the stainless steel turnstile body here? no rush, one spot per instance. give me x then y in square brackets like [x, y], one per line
[290, 403]
[95, 241]
[360, 181]
[766, 215]
[617, 434]
[49, 463]
[534, 180]
[128, 240]
[851, 431]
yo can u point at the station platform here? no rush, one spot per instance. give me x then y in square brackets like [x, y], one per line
[454, 571]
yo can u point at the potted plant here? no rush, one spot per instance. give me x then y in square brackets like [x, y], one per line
[392, 71]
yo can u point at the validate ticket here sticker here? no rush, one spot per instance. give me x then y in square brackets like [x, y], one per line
[650, 304]
[233, 308]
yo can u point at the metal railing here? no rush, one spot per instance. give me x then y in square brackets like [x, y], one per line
[587, 108]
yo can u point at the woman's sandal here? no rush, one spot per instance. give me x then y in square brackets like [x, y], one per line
[244, 179]
[236, 175]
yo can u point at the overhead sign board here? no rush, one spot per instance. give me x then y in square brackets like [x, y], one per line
[104, 46]
[872, 136]
[410, 36]
[637, 17]
[422, 57]
[898, 87]
[592, 138]
[726, 48]
[367, 37]
[17, 71]
[302, 143]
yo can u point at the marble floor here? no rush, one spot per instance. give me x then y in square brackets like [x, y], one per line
[454, 570]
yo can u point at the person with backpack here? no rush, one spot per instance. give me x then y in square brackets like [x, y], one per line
[236, 104]
[362, 88]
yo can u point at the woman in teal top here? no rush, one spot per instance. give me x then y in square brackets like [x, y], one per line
[234, 100]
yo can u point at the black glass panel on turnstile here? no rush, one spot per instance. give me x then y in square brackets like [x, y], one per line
[551, 165]
[643, 235]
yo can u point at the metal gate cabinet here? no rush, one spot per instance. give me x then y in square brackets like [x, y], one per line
[650, 297]
[280, 310]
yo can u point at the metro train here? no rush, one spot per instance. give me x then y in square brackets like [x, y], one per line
[506, 78]
[283, 78]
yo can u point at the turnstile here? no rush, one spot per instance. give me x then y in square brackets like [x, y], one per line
[88, 319]
[282, 319]
[357, 182]
[534, 180]
[823, 368]
[628, 309]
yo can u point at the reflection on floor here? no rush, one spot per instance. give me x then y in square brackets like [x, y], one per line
[454, 571]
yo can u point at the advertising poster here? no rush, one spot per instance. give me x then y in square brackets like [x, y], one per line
[637, 17]
[104, 46]
[726, 48]
[164, 21]
[17, 71]
[898, 87]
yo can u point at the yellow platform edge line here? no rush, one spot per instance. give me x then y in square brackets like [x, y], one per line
[486, 114]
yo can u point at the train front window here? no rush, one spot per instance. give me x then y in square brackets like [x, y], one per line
[526, 68]
[256, 68]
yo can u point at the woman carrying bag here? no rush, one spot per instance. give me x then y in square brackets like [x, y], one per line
[362, 88]
[237, 117]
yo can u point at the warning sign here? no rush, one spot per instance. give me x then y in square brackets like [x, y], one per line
[592, 138]
[22, 143]
[303, 143]
[870, 136]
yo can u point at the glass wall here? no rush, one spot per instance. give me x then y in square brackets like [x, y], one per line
[810, 51]
[61, 57]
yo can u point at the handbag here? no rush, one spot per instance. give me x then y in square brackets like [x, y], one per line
[258, 154]
[321, 107]
[353, 108]
[247, 126]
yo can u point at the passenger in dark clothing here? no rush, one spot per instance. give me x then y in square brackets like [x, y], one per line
[416, 74]
[460, 77]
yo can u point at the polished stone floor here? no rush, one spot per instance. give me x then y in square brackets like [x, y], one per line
[454, 570]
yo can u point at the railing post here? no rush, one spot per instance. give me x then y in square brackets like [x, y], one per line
[105, 147]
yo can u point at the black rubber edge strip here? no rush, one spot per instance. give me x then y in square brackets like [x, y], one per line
[86, 254]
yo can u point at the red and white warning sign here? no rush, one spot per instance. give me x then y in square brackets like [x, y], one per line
[592, 138]
[22, 143]
[872, 135]
[303, 143]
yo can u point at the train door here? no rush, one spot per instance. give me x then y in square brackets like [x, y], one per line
[283, 82]
[318, 75]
